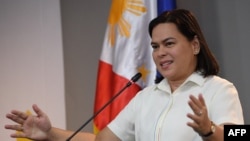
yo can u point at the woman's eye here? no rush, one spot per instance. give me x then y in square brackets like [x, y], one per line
[154, 46]
[169, 44]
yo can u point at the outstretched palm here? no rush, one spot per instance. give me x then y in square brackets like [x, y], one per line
[34, 127]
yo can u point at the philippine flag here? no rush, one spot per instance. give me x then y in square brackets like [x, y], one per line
[126, 51]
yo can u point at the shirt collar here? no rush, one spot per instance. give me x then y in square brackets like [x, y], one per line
[196, 78]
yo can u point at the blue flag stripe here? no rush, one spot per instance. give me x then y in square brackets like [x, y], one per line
[163, 5]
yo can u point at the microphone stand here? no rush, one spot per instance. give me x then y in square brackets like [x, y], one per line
[133, 80]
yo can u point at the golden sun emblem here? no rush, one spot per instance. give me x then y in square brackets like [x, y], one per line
[116, 19]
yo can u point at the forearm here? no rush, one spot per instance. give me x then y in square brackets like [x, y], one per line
[56, 134]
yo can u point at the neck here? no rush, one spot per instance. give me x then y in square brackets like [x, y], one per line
[175, 84]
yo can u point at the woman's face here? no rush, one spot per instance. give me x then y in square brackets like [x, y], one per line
[174, 56]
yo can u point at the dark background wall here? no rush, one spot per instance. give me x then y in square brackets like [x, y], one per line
[225, 24]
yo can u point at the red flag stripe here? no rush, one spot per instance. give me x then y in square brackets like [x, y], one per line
[105, 92]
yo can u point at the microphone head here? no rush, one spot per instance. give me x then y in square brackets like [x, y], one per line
[136, 77]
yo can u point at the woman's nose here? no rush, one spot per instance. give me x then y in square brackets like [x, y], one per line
[161, 51]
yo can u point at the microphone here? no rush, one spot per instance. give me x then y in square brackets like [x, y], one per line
[132, 81]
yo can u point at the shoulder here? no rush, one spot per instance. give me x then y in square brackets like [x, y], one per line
[220, 87]
[218, 81]
[216, 86]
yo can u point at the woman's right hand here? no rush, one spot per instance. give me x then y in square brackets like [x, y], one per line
[35, 127]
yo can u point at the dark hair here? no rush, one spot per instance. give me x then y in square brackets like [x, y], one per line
[187, 24]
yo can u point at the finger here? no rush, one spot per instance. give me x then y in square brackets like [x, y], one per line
[9, 127]
[20, 114]
[195, 100]
[195, 108]
[38, 111]
[195, 118]
[193, 125]
[18, 135]
[14, 127]
[15, 118]
[197, 105]
[201, 99]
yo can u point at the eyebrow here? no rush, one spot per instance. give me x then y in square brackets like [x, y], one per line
[165, 40]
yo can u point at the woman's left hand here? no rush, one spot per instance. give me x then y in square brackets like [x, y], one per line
[201, 123]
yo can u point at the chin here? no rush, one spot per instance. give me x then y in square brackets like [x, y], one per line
[167, 75]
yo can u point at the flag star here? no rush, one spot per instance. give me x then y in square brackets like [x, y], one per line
[144, 71]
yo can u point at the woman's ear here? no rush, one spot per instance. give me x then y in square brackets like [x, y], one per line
[196, 45]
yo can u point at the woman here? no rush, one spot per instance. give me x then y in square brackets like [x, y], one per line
[190, 102]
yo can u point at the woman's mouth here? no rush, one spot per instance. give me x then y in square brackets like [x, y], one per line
[166, 64]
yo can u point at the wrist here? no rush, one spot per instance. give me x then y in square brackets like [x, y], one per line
[211, 131]
[50, 135]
